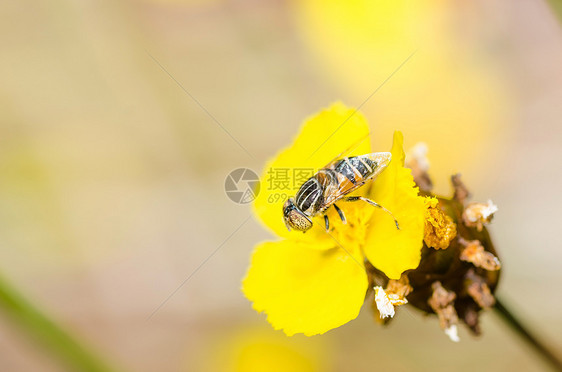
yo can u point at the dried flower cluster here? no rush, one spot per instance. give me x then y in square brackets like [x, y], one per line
[459, 269]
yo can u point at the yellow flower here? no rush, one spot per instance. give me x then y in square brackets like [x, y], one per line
[313, 282]
[254, 349]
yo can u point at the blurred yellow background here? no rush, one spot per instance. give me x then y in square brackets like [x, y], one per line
[112, 176]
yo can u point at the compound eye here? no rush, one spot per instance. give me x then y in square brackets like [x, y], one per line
[287, 208]
[298, 221]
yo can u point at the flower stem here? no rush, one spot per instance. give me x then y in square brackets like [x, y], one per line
[556, 7]
[47, 332]
[524, 333]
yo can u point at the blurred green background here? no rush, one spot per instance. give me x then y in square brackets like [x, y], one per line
[112, 177]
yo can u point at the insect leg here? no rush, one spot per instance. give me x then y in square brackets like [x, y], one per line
[327, 223]
[340, 212]
[374, 204]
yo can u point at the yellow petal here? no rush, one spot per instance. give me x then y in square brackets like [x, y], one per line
[244, 348]
[388, 249]
[305, 290]
[322, 138]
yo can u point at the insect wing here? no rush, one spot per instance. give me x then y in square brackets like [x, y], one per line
[381, 160]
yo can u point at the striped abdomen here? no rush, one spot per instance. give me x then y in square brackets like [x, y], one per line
[356, 169]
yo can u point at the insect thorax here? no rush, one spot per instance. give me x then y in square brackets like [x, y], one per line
[309, 197]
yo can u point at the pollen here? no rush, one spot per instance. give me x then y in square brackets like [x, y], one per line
[384, 303]
[479, 214]
[394, 295]
[442, 302]
[474, 253]
[478, 289]
[439, 228]
[453, 333]
[399, 288]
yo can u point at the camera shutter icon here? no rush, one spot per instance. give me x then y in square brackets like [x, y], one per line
[242, 186]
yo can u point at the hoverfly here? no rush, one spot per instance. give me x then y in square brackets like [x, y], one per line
[331, 184]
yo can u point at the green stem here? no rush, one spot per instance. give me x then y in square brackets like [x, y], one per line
[524, 333]
[47, 332]
[556, 6]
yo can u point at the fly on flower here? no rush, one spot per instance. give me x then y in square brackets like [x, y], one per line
[314, 282]
[331, 184]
